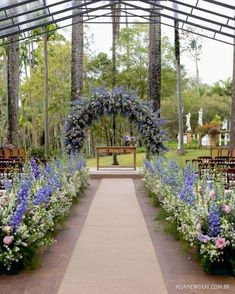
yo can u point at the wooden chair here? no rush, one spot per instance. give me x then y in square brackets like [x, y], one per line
[214, 152]
[222, 158]
[232, 153]
[204, 158]
[224, 152]
[230, 177]
[22, 153]
[14, 153]
[1, 152]
[7, 153]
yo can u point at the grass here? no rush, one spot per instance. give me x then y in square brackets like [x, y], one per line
[127, 159]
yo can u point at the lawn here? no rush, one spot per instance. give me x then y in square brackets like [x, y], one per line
[127, 159]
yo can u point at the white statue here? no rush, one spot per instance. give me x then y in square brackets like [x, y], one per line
[188, 122]
[200, 113]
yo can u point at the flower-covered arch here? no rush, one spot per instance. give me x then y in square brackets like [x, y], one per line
[116, 101]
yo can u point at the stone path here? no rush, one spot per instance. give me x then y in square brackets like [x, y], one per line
[114, 253]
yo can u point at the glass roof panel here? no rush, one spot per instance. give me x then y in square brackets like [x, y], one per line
[215, 16]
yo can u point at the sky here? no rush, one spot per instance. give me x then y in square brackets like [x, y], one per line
[216, 61]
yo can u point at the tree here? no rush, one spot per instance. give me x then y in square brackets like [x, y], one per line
[13, 88]
[77, 54]
[155, 59]
[46, 89]
[116, 28]
[222, 88]
[193, 45]
[232, 132]
[179, 88]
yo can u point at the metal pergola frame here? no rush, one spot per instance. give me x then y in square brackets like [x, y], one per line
[209, 18]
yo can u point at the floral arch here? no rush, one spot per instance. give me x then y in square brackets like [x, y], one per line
[116, 101]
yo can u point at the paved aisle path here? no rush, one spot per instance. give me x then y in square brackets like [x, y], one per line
[114, 253]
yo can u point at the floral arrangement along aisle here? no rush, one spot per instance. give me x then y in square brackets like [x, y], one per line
[203, 212]
[31, 208]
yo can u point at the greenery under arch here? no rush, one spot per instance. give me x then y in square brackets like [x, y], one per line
[116, 101]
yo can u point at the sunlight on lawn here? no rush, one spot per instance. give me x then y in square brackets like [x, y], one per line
[127, 159]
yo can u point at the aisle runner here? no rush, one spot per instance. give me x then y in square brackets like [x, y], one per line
[114, 253]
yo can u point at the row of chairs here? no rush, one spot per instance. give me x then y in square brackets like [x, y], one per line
[11, 159]
[221, 168]
[222, 151]
[12, 153]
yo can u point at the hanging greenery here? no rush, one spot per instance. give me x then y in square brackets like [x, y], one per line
[116, 101]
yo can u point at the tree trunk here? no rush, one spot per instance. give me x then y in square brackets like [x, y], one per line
[116, 27]
[179, 89]
[155, 60]
[31, 100]
[13, 89]
[46, 117]
[232, 132]
[197, 77]
[77, 55]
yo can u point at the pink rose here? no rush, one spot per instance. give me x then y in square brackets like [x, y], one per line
[220, 243]
[226, 208]
[7, 240]
[212, 194]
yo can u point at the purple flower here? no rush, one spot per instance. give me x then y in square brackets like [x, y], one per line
[8, 185]
[48, 169]
[35, 168]
[187, 191]
[42, 195]
[203, 238]
[22, 204]
[148, 166]
[214, 220]
[54, 182]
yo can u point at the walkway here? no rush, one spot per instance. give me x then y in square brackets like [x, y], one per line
[114, 253]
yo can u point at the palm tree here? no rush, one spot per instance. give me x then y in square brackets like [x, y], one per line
[77, 54]
[155, 59]
[13, 74]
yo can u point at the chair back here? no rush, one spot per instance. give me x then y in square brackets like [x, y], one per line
[214, 152]
[224, 152]
[21, 153]
[7, 152]
[14, 152]
[1, 152]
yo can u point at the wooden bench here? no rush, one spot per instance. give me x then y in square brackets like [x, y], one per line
[115, 150]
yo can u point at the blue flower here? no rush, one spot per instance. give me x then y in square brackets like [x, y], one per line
[35, 168]
[54, 182]
[21, 208]
[42, 195]
[214, 220]
[187, 191]
[148, 166]
[8, 185]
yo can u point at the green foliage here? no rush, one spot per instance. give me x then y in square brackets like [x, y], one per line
[217, 120]
[211, 106]
[141, 150]
[193, 145]
[38, 153]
